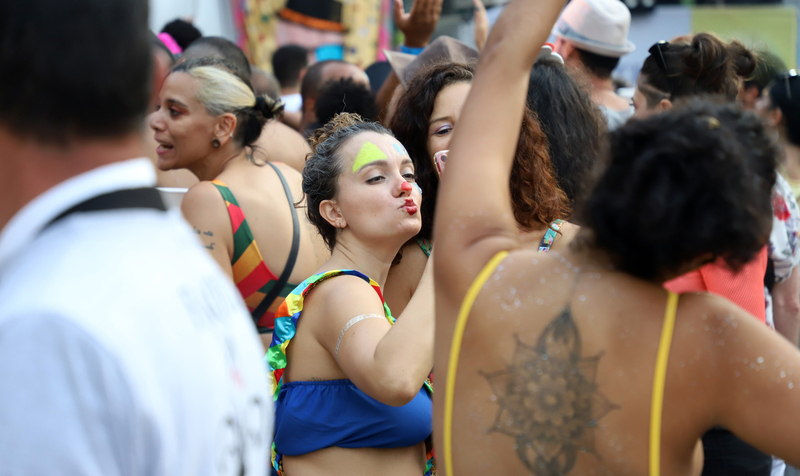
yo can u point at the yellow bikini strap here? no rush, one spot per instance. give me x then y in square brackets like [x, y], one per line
[455, 350]
[660, 378]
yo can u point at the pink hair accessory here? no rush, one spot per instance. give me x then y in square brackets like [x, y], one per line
[170, 43]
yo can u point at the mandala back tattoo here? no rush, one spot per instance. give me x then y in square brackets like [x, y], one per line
[548, 399]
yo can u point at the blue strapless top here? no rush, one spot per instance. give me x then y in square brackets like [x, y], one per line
[310, 416]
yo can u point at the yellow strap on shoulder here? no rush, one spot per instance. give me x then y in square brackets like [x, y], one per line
[657, 406]
[455, 351]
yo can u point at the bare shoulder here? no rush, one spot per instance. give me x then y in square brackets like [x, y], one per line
[709, 329]
[412, 264]
[204, 208]
[343, 297]
[202, 202]
[291, 174]
[567, 233]
[280, 143]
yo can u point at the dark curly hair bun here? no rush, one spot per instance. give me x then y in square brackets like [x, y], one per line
[707, 65]
[683, 186]
[265, 108]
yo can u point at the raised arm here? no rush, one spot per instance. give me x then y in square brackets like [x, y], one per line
[474, 219]
[417, 27]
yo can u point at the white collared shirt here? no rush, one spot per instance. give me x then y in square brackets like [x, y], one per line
[124, 349]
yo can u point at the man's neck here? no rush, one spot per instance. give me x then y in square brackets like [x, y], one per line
[604, 93]
[290, 90]
[28, 169]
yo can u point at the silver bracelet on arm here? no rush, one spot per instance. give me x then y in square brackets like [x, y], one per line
[349, 325]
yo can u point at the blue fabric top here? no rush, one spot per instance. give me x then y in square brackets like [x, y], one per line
[310, 416]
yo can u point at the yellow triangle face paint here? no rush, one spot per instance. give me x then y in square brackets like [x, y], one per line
[369, 153]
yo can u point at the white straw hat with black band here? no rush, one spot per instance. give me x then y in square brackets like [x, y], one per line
[597, 26]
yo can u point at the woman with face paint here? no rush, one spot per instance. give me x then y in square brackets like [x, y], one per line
[243, 209]
[426, 118]
[350, 380]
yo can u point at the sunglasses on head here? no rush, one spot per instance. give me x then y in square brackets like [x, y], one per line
[657, 50]
[785, 77]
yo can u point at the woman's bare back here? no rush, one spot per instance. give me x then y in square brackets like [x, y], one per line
[261, 196]
[560, 373]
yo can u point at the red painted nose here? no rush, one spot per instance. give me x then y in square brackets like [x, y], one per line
[406, 187]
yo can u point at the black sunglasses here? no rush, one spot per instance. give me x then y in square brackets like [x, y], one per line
[785, 77]
[656, 50]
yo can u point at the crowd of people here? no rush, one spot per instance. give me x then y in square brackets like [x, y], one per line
[592, 284]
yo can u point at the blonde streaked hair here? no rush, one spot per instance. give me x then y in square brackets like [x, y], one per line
[222, 89]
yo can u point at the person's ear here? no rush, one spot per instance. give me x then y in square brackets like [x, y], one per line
[309, 111]
[749, 97]
[329, 210]
[774, 117]
[225, 127]
[568, 51]
[664, 105]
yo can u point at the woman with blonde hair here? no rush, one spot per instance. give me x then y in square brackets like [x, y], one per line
[208, 122]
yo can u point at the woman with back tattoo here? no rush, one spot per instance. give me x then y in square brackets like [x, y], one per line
[579, 362]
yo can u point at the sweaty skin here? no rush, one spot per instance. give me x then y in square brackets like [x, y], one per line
[369, 153]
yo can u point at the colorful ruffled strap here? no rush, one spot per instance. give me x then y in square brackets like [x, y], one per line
[550, 235]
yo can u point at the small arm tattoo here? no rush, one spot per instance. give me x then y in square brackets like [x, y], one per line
[210, 247]
[548, 398]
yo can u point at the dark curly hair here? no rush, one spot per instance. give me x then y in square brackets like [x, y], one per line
[571, 121]
[345, 95]
[707, 65]
[683, 185]
[537, 200]
[324, 166]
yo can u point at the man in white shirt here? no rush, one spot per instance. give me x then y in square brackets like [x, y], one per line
[591, 36]
[124, 350]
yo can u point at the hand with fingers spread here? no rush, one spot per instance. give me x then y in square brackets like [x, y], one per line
[481, 24]
[418, 24]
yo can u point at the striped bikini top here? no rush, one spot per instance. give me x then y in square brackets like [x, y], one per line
[253, 278]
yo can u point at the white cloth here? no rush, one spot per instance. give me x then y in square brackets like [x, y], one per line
[124, 349]
[784, 240]
[615, 119]
[292, 102]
